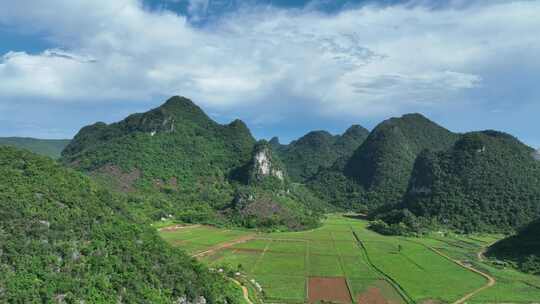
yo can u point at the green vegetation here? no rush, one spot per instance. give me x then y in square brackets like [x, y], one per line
[402, 267]
[64, 239]
[487, 182]
[523, 249]
[175, 161]
[47, 147]
[318, 149]
[378, 172]
[511, 286]
[384, 163]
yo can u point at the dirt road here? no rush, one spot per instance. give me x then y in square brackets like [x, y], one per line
[490, 279]
[225, 245]
[221, 246]
[244, 291]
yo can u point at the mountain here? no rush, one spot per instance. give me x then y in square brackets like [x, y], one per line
[177, 159]
[522, 249]
[318, 149]
[384, 163]
[378, 171]
[48, 147]
[488, 181]
[65, 239]
[536, 154]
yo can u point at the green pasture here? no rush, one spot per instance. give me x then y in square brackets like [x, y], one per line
[197, 239]
[403, 269]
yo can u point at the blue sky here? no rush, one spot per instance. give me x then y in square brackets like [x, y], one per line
[285, 67]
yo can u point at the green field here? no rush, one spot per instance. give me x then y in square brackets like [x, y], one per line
[403, 270]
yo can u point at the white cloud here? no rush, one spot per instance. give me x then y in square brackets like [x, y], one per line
[360, 62]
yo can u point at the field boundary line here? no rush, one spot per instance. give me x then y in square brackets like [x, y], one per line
[306, 281]
[387, 278]
[281, 240]
[224, 245]
[261, 256]
[490, 280]
[340, 259]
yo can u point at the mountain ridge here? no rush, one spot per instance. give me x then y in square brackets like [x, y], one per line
[47, 147]
[175, 152]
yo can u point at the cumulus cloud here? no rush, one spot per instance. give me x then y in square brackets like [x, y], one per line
[360, 62]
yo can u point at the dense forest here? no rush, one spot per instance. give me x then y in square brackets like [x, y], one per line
[175, 160]
[378, 171]
[488, 181]
[317, 150]
[522, 249]
[48, 147]
[65, 239]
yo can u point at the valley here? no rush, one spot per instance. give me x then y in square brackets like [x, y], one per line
[357, 265]
[269, 152]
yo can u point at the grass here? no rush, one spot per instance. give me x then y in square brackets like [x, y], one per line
[512, 286]
[282, 263]
[197, 239]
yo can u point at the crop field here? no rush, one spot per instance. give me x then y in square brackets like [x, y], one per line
[359, 266]
[197, 239]
[511, 286]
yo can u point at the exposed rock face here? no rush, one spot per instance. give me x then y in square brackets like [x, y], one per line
[264, 165]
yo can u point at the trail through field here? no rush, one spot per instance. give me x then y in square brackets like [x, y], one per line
[244, 291]
[177, 227]
[221, 246]
[491, 280]
[225, 245]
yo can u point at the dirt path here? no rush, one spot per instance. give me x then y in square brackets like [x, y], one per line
[491, 280]
[221, 246]
[225, 245]
[177, 227]
[244, 291]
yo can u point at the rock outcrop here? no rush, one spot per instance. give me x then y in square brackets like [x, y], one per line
[264, 164]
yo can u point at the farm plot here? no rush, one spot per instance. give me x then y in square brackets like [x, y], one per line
[291, 266]
[422, 273]
[296, 267]
[196, 239]
[511, 286]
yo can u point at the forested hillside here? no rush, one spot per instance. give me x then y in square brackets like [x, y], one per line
[64, 239]
[48, 147]
[179, 162]
[522, 249]
[379, 170]
[488, 181]
[318, 149]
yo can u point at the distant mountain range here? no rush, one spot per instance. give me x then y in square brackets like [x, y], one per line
[409, 174]
[318, 150]
[48, 147]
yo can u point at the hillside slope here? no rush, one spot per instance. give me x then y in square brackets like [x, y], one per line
[318, 149]
[522, 249]
[48, 147]
[64, 239]
[488, 181]
[384, 163]
[378, 172]
[180, 162]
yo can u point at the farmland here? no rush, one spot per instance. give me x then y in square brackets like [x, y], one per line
[356, 264]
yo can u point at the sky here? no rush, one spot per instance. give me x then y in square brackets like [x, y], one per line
[285, 67]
